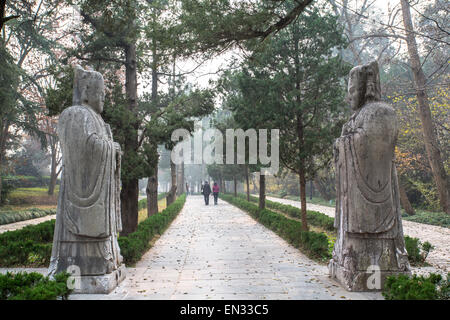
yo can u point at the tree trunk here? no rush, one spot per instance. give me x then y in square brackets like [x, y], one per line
[405, 201]
[3, 137]
[53, 178]
[300, 131]
[173, 189]
[311, 190]
[247, 182]
[223, 186]
[129, 195]
[323, 192]
[182, 184]
[152, 182]
[301, 174]
[152, 193]
[429, 133]
[302, 181]
[53, 173]
[255, 187]
[262, 191]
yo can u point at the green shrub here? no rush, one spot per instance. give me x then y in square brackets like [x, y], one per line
[7, 217]
[417, 251]
[402, 287]
[29, 246]
[434, 218]
[315, 218]
[133, 246]
[27, 181]
[314, 244]
[33, 286]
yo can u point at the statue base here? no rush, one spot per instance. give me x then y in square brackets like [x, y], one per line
[361, 280]
[101, 284]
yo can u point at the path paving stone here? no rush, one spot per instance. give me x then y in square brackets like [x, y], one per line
[220, 252]
[439, 237]
[21, 224]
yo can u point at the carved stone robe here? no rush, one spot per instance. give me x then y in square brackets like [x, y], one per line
[88, 215]
[368, 217]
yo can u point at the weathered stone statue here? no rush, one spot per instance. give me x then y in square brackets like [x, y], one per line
[88, 216]
[369, 244]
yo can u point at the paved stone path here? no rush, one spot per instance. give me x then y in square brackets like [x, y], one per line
[21, 224]
[439, 237]
[220, 252]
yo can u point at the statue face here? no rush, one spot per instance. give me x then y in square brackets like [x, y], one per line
[371, 82]
[354, 89]
[96, 96]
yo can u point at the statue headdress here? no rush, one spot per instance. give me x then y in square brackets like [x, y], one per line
[83, 81]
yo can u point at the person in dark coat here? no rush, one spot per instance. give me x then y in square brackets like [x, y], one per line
[206, 190]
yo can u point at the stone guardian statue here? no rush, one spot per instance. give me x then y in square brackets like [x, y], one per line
[369, 244]
[88, 217]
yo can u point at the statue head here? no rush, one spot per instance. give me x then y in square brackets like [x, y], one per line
[88, 89]
[364, 85]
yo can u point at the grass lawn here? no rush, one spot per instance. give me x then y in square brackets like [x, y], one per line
[427, 217]
[143, 212]
[26, 197]
[434, 218]
[25, 207]
[314, 200]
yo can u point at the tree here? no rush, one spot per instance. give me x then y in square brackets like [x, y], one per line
[48, 126]
[8, 83]
[295, 85]
[3, 17]
[110, 32]
[429, 133]
[24, 42]
[220, 24]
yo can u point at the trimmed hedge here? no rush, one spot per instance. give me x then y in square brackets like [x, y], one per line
[315, 218]
[7, 217]
[33, 286]
[434, 218]
[29, 246]
[314, 244]
[27, 181]
[133, 246]
[402, 287]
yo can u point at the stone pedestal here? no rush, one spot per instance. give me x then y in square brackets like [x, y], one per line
[101, 284]
[360, 281]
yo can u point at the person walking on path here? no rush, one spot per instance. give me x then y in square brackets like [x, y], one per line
[215, 190]
[206, 190]
[187, 189]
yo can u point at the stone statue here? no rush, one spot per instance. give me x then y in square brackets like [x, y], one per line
[88, 216]
[369, 244]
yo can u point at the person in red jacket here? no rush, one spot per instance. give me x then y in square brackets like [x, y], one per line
[215, 191]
